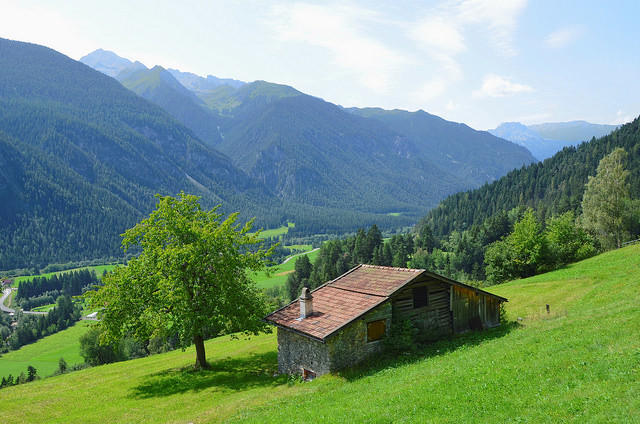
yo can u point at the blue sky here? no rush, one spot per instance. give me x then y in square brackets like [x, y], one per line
[481, 62]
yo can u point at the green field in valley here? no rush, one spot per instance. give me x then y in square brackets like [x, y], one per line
[99, 269]
[579, 363]
[275, 232]
[45, 353]
[278, 274]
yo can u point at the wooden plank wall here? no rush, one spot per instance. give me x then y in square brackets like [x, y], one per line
[473, 311]
[464, 304]
[436, 316]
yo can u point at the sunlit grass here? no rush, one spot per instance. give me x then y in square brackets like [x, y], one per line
[280, 272]
[276, 232]
[578, 363]
[45, 353]
[99, 269]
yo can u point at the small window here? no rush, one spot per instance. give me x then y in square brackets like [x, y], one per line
[420, 297]
[376, 329]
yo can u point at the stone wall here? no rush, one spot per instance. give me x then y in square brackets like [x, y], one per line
[347, 347]
[296, 352]
[350, 346]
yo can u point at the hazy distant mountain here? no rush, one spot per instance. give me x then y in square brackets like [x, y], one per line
[197, 83]
[310, 152]
[572, 131]
[544, 140]
[109, 63]
[469, 157]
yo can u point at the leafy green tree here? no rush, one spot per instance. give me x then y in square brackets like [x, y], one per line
[568, 242]
[498, 261]
[190, 278]
[605, 204]
[96, 353]
[529, 246]
[522, 253]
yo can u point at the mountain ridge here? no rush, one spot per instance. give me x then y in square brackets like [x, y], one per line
[468, 157]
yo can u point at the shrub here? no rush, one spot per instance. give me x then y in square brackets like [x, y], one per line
[401, 337]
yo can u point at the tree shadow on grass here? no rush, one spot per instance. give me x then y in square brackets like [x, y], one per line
[429, 350]
[233, 374]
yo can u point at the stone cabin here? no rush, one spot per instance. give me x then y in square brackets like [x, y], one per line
[343, 321]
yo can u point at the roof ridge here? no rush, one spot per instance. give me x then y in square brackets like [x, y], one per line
[328, 283]
[392, 268]
[357, 291]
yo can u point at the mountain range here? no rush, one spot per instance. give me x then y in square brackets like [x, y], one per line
[299, 145]
[82, 155]
[544, 140]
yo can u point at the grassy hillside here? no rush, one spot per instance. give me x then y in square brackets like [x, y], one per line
[281, 272]
[580, 363]
[45, 354]
[99, 270]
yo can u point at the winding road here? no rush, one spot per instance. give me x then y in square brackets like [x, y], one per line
[299, 254]
[5, 294]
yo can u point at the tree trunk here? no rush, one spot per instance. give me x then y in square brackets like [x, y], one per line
[201, 358]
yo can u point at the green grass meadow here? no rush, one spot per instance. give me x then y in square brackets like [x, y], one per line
[579, 363]
[99, 269]
[45, 353]
[278, 274]
[275, 232]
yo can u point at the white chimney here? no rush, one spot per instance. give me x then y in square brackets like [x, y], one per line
[306, 303]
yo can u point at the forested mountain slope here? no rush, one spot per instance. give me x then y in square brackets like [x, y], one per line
[90, 155]
[550, 187]
[310, 151]
[160, 87]
[305, 148]
[83, 158]
[475, 156]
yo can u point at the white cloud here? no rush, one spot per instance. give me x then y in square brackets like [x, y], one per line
[497, 86]
[431, 89]
[338, 29]
[499, 17]
[452, 105]
[622, 118]
[439, 34]
[563, 37]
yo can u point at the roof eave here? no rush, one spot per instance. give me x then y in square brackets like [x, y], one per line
[301, 333]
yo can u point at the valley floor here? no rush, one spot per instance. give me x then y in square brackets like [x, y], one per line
[578, 363]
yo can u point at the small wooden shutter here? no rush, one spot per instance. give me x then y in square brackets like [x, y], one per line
[376, 329]
[420, 297]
